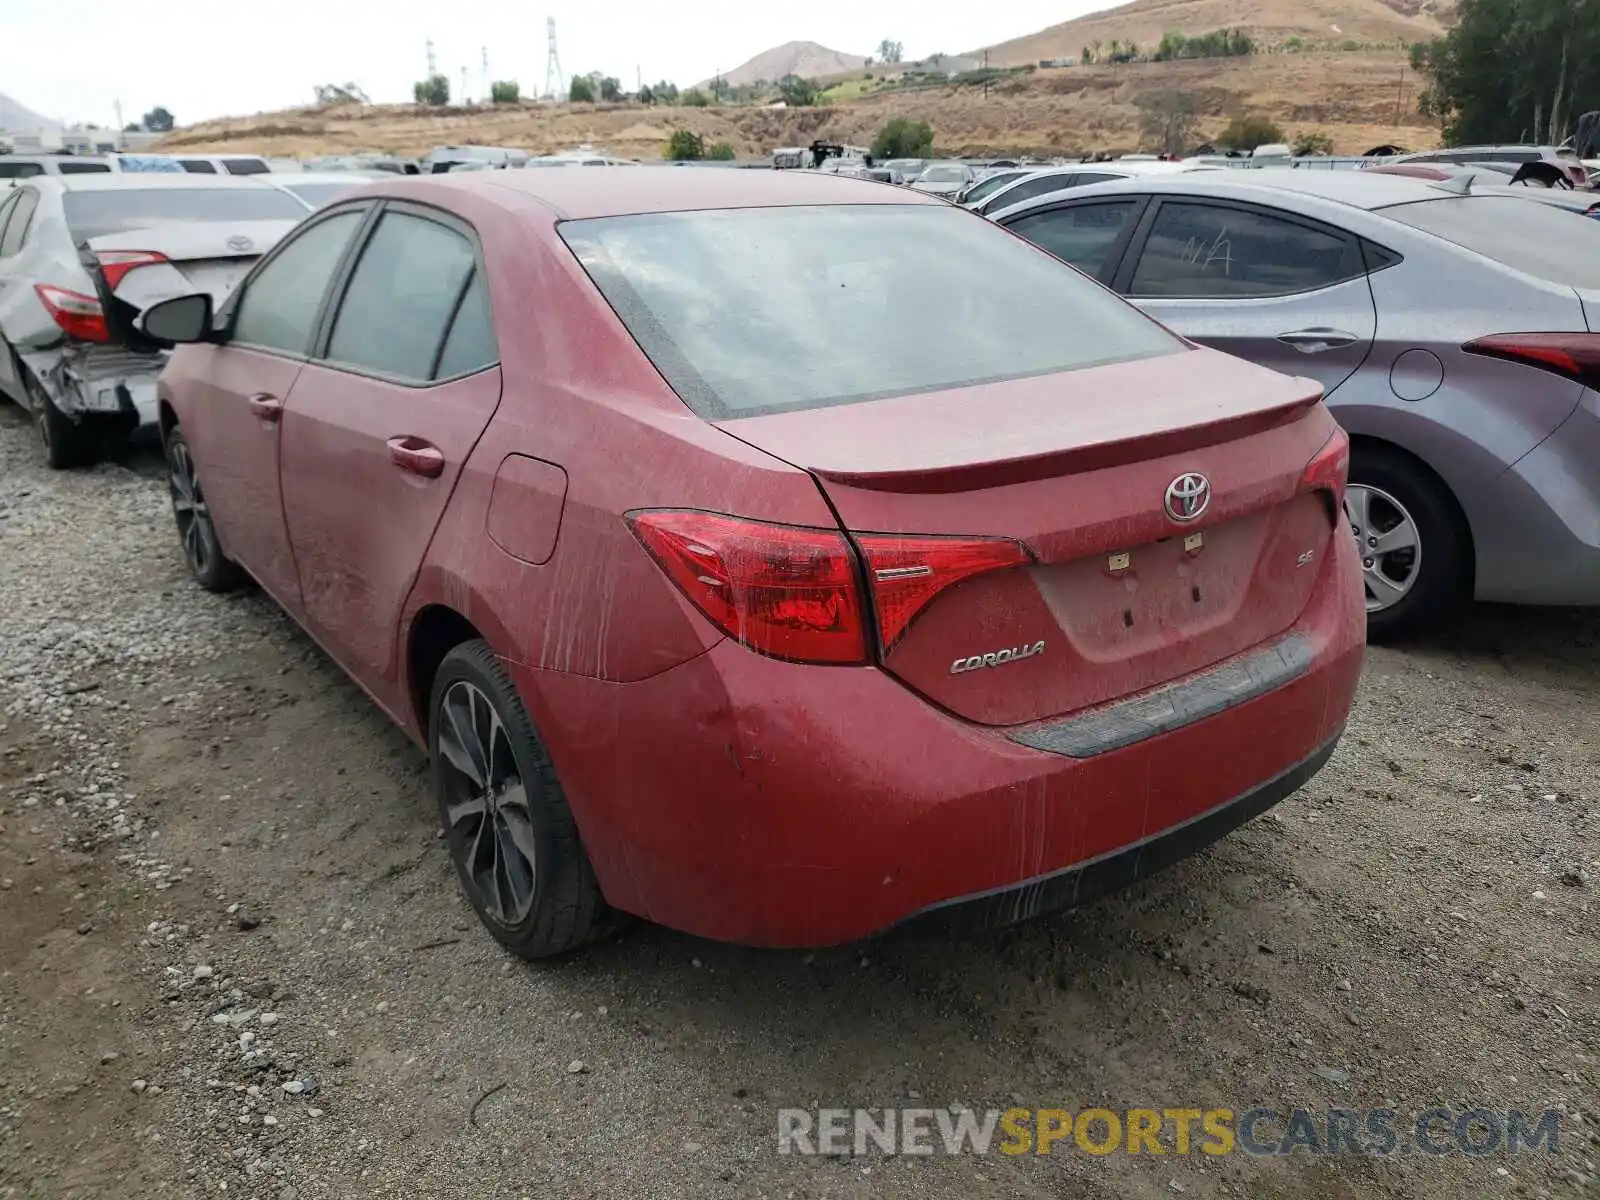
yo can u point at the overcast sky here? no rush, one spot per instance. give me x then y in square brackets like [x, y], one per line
[74, 59]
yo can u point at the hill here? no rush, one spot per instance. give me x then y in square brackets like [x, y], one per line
[16, 119]
[1351, 97]
[806, 59]
[1329, 23]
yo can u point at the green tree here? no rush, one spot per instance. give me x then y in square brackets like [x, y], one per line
[797, 92]
[582, 90]
[434, 90]
[646, 95]
[694, 98]
[890, 51]
[1168, 120]
[610, 89]
[664, 93]
[902, 138]
[158, 120]
[505, 91]
[1248, 131]
[1510, 70]
[1314, 142]
[684, 146]
[721, 152]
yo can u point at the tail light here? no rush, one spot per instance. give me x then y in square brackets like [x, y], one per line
[1575, 356]
[79, 316]
[115, 264]
[1329, 471]
[907, 572]
[794, 593]
[786, 591]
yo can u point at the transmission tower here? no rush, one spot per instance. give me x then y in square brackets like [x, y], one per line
[464, 97]
[432, 64]
[554, 86]
[486, 72]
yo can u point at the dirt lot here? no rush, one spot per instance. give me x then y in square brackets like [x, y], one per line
[220, 877]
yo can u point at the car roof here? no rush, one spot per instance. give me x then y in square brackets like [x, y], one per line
[147, 180]
[1358, 189]
[285, 179]
[576, 195]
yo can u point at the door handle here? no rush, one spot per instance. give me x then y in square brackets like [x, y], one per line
[416, 456]
[1315, 341]
[267, 407]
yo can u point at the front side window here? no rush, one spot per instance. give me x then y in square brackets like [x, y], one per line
[19, 170]
[747, 311]
[1206, 251]
[402, 296]
[246, 166]
[1042, 185]
[280, 304]
[198, 166]
[1082, 235]
[84, 168]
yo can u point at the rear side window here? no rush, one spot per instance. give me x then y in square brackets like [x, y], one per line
[1205, 251]
[988, 187]
[246, 166]
[1538, 239]
[470, 345]
[114, 210]
[83, 168]
[1042, 185]
[197, 166]
[280, 303]
[1081, 235]
[402, 297]
[16, 230]
[1085, 178]
[749, 311]
[19, 170]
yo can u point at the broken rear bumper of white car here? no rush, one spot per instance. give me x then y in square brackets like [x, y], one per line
[100, 381]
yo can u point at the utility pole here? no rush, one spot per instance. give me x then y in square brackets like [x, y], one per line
[464, 99]
[119, 120]
[486, 72]
[1399, 95]
[432, 63]
[985, 74]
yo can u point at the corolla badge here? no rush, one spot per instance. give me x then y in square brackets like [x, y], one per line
[241, 243]
[1187, 496]
[996, 658]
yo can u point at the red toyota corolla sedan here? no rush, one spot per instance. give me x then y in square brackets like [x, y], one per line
[776, 556]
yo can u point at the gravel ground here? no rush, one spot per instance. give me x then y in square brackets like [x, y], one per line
[233, 957]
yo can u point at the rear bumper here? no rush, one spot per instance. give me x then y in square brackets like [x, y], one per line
[754, 801]
[85, 380]
[1543, 543]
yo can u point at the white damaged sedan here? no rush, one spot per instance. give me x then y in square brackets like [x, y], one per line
[81, 256]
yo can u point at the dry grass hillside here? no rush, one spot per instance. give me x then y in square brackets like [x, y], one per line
[1352, 97]
[806, 59]
[1330, 22]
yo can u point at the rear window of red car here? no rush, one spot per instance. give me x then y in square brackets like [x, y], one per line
[748, 311]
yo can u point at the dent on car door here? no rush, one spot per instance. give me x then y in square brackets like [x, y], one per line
[1267, 285]
[232, 395]
[378, 428]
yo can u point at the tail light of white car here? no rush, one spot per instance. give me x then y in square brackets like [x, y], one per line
[79, 316]
[115, 264]
[1575, 356]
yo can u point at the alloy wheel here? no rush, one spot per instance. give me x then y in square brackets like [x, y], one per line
[1388, 542]
[190, 510]
[487, 815]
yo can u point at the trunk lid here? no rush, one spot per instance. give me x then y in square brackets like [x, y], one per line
[200, 256]
[1119, 596]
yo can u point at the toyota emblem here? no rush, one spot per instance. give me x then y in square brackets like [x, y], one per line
[1187, 496]
[240, 243]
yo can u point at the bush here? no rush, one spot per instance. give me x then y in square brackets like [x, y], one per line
[1248, 132]
[900, 138]
[581, 91]
[505, 91]
[434, 90]
[721, 152]
[797, 92]
[610, 89]
[694, 98]
[1313, 143]
[684, 146]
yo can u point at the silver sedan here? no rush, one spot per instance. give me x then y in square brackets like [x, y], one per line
[1457, 338]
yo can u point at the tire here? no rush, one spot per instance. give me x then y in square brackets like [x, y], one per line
[66, 443]
[1386, 484]
[211, 568]
[546, 899]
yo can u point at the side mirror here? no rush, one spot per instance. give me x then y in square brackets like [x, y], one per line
[181, 319]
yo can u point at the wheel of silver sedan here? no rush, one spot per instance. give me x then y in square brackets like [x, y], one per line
[486, 804]
[190, 511]
[1388, 542]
